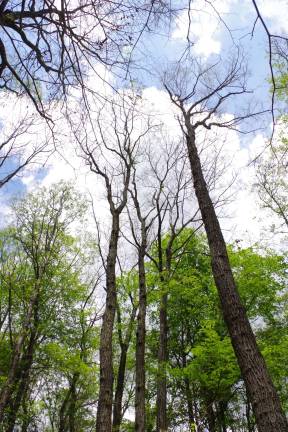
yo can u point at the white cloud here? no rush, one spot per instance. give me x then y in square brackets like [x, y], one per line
[204, 24]
[276, 12]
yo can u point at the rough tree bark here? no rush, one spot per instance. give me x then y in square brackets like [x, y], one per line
[105, 401]
[265, 401]
[140, 336]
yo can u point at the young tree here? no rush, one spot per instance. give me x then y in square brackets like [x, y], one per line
[199, 98]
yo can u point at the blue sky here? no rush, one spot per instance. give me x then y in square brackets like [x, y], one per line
[154, 52]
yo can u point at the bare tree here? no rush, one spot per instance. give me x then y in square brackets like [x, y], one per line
[173, 202]
[145, 215]
[111, 156]
[200, 96]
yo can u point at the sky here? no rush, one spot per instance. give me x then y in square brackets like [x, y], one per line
[212, 37]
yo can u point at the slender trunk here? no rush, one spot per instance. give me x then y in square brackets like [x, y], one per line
[105, 401]
[222, 407]
[265, 401]
[26, 420]
[162, 421]
[117, 411]
[162, 424]
[140, 419]
[188, 392]
[210, 417]
[189, 400]
[72, 402]
[62, 413]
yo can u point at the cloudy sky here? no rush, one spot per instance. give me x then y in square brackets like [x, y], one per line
[216, 28]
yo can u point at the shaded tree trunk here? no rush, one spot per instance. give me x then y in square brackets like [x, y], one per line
[72, 403]
[140, 340]
[189, 400]
[105, 401]
[120, 384]
[221, 411]
[63, 413]
[210, 417]
[162, 424]
[117, 411]
[265, 401]
[22, 382]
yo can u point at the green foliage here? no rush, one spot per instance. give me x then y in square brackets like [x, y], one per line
[40, 256]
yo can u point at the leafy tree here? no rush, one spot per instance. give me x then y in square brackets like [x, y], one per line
[43, 322]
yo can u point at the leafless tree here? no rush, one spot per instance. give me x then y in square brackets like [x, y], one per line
[173, 201]
[202, 95]
[110, 153]
[145, 216]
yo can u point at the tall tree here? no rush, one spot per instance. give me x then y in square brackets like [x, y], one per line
[199, 103]
[118, 144]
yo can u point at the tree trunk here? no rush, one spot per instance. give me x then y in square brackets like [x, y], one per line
[22, 381]
[117, 411]
[162, 425]
[26, 419]
[189, 400]
[72, 403]
[221, 411]
[210, 417]
[140, 341]
[265, 402]
[62, 413]
[105, 401]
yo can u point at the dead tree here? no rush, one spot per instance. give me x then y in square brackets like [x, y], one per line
[200, 96]
[111, 157]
